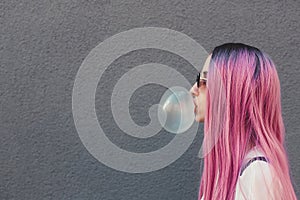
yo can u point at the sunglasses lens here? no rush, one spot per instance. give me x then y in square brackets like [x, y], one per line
[198, 79]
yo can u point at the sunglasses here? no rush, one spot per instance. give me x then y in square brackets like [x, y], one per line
[200, 81]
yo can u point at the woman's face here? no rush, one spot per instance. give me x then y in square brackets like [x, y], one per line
[199, 94]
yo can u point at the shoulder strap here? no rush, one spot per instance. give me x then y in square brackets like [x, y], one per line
[250, 161]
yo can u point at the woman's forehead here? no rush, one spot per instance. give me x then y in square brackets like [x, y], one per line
[204, 70]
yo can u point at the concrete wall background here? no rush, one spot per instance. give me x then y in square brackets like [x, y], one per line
[43, 44]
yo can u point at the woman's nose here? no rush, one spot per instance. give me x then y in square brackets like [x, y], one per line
[194, 90]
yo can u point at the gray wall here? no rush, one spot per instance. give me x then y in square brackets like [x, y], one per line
[42, 46]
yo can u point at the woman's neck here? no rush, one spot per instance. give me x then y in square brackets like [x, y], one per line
[249, 146]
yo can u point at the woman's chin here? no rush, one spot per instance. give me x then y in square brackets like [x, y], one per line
[199, 118]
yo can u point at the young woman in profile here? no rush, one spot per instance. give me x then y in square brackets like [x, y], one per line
[237, 96]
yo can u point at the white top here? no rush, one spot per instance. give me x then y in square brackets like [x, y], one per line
[256, 180]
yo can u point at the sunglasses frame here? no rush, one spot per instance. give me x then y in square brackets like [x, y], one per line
[200, 80]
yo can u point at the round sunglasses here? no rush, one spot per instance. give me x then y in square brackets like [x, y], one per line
[200, 81]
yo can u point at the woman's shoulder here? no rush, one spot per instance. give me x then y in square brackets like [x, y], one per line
[256, 176]
[256, 164]
[256, 170]
[252, 159]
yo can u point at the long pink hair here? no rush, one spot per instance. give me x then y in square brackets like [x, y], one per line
[245, 111]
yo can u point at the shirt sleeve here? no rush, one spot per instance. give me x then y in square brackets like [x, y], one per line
[256, 182]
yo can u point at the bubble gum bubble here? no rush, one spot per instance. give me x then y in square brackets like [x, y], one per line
[176, 110]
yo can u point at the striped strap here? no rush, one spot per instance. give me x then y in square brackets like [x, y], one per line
[250, 161]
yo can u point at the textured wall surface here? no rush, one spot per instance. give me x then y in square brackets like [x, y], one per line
[42, 46]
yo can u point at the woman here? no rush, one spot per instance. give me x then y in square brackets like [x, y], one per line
[237, 96]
